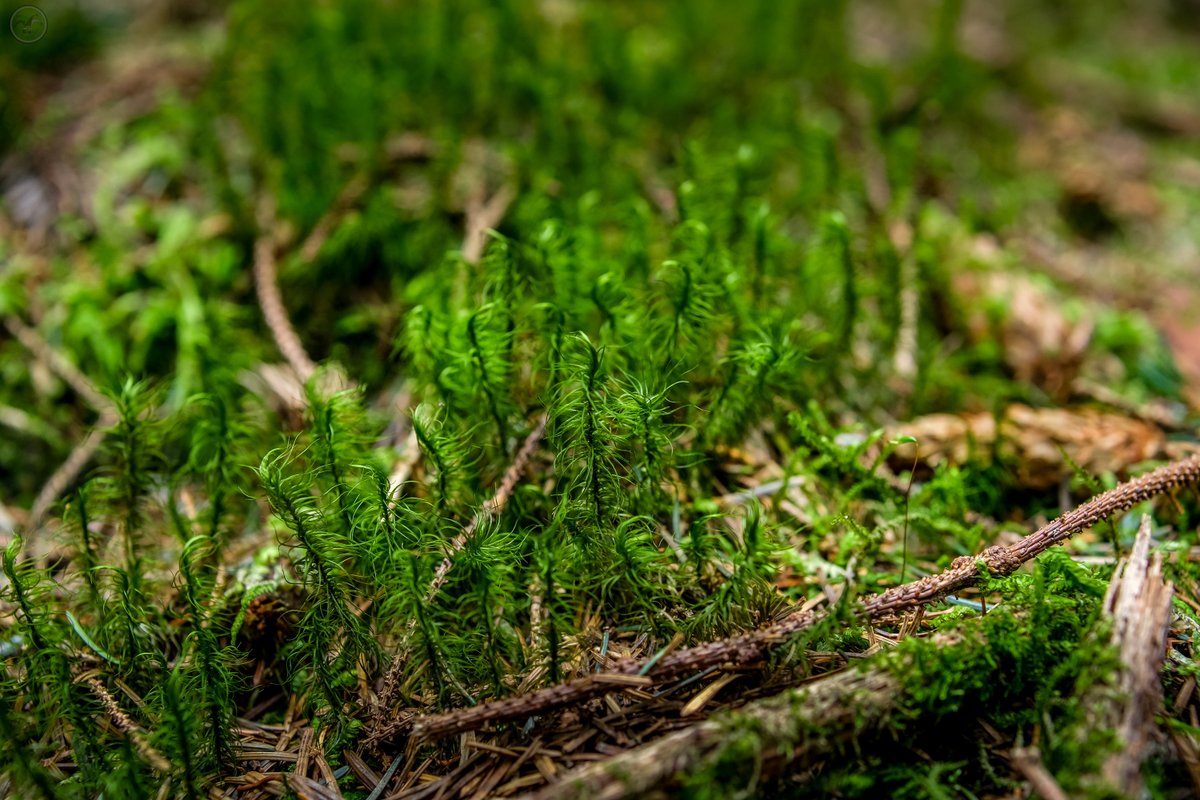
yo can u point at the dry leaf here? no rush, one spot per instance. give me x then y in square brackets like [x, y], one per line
[1041, 343]
[1032, 441]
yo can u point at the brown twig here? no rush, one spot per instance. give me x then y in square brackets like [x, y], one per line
[125, 724]
[491, 508]
[1028, 762]
[79, 383]
[494, 505]
[58, 363]
[749, 647]
[405, 147]
[319, 234]
[269, 298]
[67, 472]
[483, 215]
[845, 706]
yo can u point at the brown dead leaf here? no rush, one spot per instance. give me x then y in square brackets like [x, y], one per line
[1041, 344]
[1104, 170]
[1032, 441]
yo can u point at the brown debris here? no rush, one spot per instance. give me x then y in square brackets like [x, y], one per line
[1028, 761]
[1104, 171]
[1033, 441]
[492, 508]
[847, 704]
[483, 211]
[79, 383]
[1040, 342]
[125, 724]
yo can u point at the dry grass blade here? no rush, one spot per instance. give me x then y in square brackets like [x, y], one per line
[308, 789]
[305, 752]
[705, 695]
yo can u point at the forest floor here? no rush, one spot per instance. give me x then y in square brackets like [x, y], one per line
[572, 399]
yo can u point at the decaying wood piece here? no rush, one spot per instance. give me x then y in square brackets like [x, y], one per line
[1139, 603]
[965, 571]
[852, 703]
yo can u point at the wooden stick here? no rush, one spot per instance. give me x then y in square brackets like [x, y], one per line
[382, 726]
[79, 383]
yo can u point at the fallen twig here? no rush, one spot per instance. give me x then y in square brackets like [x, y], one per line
[67, 472]
[1028, 762]
[79, 383]
[56, 362]
[405, 147]
[494, 505]
[123, 723]
[844, 706]
[269, 298]
[319, 234]
[491, 508]
[483, 215]
[749, 647]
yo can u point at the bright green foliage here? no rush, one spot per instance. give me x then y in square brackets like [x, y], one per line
[332, 638]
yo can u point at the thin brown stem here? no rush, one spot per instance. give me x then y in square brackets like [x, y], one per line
[483, 215]
[383, 727]
[270, 299]
[123, 723]
[67, 472]
[55, 360]
[490, 509]
[79, 383]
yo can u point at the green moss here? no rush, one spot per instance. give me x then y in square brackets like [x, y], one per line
[727, 271]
